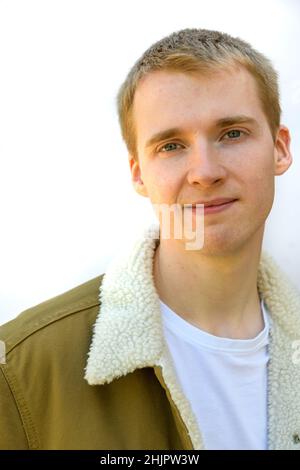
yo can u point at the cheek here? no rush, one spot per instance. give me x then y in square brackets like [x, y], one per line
[258, 168]
[260, 186]
[162, 185]
[256, 176]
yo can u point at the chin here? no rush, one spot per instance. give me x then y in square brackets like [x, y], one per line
[218, 243]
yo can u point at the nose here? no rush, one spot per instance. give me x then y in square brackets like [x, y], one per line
[204, 165]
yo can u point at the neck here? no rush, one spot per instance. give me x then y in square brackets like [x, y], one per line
[215, 293]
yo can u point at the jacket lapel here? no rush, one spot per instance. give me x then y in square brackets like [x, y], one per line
[128, 335]
[283, 303]
[128, 332]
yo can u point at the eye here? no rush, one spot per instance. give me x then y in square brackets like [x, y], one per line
[234, 134]
[169, 147]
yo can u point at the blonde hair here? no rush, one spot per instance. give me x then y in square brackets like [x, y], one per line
[205, 51]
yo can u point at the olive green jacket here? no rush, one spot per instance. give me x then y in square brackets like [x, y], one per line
[90, 371]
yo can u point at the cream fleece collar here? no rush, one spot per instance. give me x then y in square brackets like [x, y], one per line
[128, 335]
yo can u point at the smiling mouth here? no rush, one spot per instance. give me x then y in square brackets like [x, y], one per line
[213, 208]
[214, 202]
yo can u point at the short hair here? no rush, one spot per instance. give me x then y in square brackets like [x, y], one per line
[205, 51]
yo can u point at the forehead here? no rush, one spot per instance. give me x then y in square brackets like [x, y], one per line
[166, 99]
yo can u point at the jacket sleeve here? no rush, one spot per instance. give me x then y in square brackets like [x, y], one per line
[12, 434]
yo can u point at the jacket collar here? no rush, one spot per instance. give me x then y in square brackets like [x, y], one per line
[128, 335]
[128, 332]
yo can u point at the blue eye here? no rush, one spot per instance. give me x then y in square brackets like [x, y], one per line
[234, 134]
[168, 147]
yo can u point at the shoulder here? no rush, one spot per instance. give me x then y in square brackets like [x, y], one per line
[80, 304]
[45, 354]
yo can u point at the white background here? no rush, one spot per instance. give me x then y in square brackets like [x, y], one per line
[66, 197]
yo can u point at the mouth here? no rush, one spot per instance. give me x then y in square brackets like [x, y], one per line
[213, 207]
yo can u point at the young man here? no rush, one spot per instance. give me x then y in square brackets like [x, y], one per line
[187, 349]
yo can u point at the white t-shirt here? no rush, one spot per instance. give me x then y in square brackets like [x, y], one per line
[225, 381]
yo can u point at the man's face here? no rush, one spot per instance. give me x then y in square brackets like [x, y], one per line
[204, 158]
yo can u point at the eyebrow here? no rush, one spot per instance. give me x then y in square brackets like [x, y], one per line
[226, 121]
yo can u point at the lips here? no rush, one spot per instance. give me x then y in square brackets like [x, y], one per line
[214, 202]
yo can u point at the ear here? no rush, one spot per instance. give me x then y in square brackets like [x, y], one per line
[282, 154]
[136, 176]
